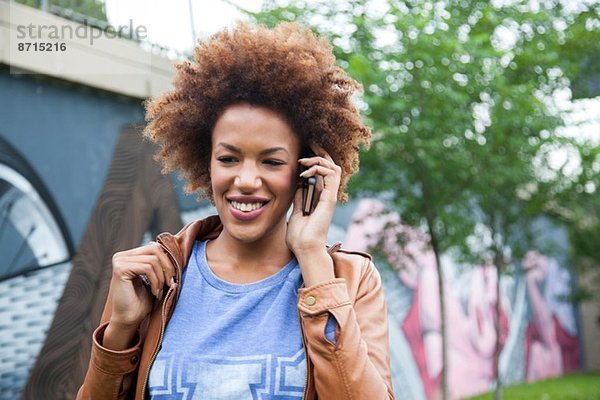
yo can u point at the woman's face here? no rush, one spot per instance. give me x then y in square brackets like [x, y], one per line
[253, 170]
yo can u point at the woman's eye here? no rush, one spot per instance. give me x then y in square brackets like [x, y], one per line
[274, 162]
[225, 159]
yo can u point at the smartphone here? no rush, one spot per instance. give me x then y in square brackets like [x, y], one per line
[308, 186]
[308, 194]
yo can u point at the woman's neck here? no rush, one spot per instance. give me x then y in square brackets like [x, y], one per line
[244, 262]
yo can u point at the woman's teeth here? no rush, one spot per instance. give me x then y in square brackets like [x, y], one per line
[246, 206]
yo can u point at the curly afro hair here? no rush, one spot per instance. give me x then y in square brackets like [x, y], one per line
[287, 69]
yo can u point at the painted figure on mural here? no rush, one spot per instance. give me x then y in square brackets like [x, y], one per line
[550, 336]
[369, 221]
[248, 303]
[471, 320]
[552, 345]
[471, 337]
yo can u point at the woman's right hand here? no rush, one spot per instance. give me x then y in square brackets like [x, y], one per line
[131, 298]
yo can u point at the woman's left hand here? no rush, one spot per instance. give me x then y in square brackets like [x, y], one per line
[307, 234]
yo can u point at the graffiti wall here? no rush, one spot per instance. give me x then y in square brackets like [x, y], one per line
[538, 333]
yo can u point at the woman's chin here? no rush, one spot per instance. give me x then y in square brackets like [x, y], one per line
[254, 232]
[245, 237]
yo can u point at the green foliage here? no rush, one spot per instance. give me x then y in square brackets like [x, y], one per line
[90, 8]
[577, 203]
[568, 387]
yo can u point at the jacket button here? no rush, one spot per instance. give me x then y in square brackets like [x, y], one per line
[310, 300]
[135, 359]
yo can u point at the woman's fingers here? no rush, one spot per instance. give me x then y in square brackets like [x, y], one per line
[167, 265]
[327, 172]
[129, 269]
[317, 169]
[329, 178]
[158, 267]
[322, 158]
[131, 298]
[307, 162]
[162, 259]
[319, 166]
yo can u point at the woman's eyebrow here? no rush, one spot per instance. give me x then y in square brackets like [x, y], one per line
[273, 150]
[235, 149]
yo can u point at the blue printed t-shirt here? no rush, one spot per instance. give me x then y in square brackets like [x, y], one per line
[232, 341]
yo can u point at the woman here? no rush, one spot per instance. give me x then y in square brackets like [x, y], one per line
[246, 304]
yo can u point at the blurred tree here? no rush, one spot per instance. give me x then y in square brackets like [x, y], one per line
[462, 98]
[577, 203]
[90, 8]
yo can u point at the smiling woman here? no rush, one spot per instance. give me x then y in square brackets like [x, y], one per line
[248, 304]
[253, 172]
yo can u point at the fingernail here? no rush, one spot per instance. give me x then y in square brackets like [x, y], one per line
[160, 295]
[172, 281]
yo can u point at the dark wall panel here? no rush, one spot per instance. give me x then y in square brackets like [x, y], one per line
[67, 134]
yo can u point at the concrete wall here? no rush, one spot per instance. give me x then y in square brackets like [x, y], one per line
[90, 57]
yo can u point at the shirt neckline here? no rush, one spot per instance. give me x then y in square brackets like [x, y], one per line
[202, 262]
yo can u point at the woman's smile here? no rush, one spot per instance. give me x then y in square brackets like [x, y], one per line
[246, 213]
[246, 208]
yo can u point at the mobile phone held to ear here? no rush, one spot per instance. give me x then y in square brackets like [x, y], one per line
[308, 186]
[308, 194]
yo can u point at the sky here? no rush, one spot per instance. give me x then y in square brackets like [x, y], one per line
[168, 23]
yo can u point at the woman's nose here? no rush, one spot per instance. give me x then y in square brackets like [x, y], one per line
[248, 179]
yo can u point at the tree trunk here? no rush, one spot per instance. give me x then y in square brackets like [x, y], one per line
[430, 214]
[498, 265]
[440, 274]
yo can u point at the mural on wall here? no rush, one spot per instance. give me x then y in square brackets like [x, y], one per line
[135, 198]
[539, 335]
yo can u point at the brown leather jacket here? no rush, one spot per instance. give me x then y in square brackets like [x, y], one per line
[356, 367]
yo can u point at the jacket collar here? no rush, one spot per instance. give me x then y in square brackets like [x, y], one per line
[180, 245]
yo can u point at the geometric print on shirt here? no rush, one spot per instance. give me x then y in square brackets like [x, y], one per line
[229, 378]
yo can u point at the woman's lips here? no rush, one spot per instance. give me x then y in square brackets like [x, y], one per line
[245, 215]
